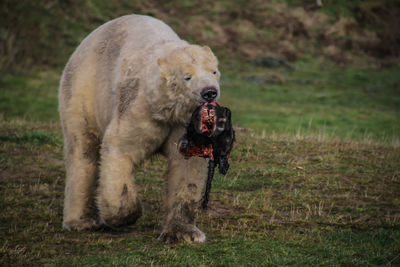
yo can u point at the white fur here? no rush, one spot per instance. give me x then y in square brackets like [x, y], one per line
[123, 97]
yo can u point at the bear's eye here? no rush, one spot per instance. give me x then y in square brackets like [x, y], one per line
[187, 78]
[215, 72]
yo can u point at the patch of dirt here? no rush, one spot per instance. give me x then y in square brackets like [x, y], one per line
[21, 167]
[215, 209]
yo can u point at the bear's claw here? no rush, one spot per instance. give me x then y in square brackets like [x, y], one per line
[81, 224]
[194, 235]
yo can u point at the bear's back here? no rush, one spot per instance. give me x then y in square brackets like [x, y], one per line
[140, 31]
[99, 64]
[137, 30]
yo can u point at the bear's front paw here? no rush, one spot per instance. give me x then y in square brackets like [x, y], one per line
[188, 233]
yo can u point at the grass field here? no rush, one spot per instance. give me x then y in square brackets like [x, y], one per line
[314, 178]
[315, 172]
[317, 99]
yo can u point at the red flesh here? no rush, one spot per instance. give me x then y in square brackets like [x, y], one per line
[199, 151]
[208, 125]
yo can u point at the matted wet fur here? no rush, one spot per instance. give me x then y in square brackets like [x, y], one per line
[126, 93]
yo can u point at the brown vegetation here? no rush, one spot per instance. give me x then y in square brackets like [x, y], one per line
[45, 33]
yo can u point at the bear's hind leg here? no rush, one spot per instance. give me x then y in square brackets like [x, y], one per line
[81, 154]
[185, 180]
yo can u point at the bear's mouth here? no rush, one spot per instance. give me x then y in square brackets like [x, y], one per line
[198, 99]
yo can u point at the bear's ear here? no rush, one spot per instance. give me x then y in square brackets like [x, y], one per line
[208, 50]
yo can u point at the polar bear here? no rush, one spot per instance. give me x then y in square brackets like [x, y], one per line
[125, 94]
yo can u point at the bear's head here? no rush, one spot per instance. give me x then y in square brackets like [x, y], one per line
[190, 77]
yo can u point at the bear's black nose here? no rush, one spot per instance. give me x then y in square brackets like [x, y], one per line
[209, 93]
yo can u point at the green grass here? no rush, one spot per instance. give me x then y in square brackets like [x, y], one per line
[315, 248]
[32, 97]
[317, 99]
[286, 201]
[299, 191]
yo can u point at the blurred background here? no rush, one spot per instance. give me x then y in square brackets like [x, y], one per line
[44, 33]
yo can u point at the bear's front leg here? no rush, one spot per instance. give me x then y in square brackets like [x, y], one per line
[117, 199]
[185, 181]
[125, 145]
